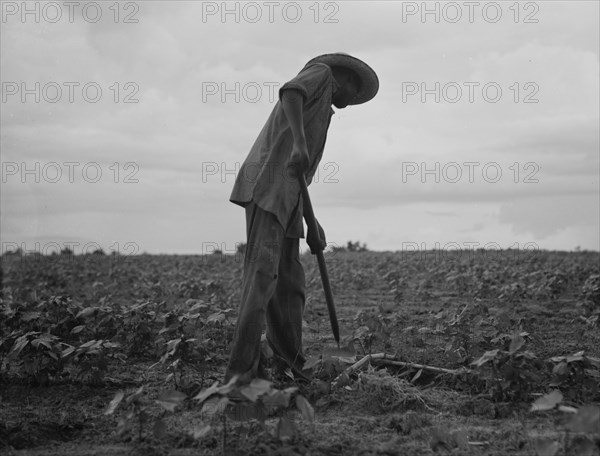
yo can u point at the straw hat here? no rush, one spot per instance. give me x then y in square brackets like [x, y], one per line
[368, 78]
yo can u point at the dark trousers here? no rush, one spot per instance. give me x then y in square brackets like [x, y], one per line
[272, 291]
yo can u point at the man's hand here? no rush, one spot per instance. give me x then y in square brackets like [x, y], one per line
[298, 163]
[316, 243]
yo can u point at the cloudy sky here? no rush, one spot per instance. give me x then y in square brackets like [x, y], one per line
[123, 126]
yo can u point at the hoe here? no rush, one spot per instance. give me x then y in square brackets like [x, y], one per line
[312, 225]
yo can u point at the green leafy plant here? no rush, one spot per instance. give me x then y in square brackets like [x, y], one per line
[372, 326]
[57, 315]
[181, 354]
[510, 374]
[462, 331]
[40, 355]
[92, 359]
[138, 328]
[581, 433]
[188, 339]
[590, 293]
[577, 374]
[257, 400]
[136, 413]
[98, 322]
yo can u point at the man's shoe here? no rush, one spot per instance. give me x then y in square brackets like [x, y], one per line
[283, 371]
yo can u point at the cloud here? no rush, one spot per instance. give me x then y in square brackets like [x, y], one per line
[544, 217]
[186, 142]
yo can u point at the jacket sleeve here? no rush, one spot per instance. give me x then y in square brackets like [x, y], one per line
[311, 82]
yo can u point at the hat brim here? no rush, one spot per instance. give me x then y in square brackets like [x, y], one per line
[368, 78]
